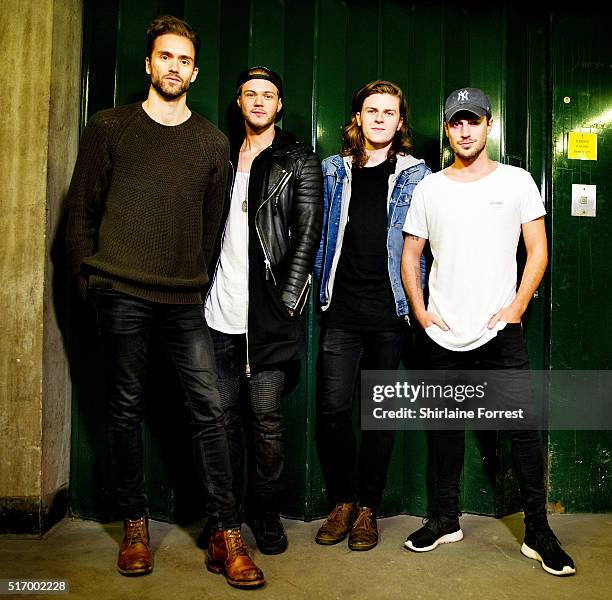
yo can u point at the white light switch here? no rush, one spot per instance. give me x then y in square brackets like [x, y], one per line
[584, 200]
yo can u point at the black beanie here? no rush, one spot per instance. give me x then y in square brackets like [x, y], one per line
[268, 75]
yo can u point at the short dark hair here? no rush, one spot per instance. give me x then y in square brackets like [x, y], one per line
[170, 24]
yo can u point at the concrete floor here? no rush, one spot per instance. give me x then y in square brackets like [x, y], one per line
[486, 564]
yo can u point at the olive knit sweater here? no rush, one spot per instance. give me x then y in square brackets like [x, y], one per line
[144, 204]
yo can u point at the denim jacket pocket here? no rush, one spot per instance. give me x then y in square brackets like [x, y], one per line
[400, 212]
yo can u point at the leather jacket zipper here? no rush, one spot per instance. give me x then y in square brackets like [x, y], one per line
[278, 188]
[302, 294]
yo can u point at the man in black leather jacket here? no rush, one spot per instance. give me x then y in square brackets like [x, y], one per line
[258, 291]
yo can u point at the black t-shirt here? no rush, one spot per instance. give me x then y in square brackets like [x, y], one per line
[362, 298]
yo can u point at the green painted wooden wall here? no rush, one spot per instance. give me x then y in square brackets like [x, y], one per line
[325, 49]
[581, 311]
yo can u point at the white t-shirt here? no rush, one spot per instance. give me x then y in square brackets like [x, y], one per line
[226, 307]
[473, 230]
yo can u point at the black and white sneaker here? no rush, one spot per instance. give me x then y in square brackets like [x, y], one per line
[542, 545]
[436, 530]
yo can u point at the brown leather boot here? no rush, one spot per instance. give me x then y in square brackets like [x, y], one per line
[337, 524]
[134, 554]
[227, 554]
[364, 534]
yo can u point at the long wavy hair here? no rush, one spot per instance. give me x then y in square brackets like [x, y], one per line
[353, 140]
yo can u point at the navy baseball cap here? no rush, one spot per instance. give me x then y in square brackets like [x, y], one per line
[467, 99]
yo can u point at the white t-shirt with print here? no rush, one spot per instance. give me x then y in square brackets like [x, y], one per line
[473, 230]
[226, 307]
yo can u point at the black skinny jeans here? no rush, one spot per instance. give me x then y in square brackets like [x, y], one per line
[505, 351]
[263, 419]
[125, 323]
[350, 476]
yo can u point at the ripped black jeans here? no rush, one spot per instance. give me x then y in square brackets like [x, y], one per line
[253, 414]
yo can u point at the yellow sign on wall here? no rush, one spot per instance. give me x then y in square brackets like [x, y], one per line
[582, 146]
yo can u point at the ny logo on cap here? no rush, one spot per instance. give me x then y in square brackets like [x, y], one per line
[462, 96]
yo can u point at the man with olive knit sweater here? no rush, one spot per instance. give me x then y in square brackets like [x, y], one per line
[145, 203]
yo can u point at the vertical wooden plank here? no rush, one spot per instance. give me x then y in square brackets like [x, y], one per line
[299, 67]
[302, 475]
[268, 34]
[331, 97]
[205, 18]
[234, 53]
[99, 50]
[362, 46]
[515, 97]
[395, 55]
[426, 76]
[131, 78]
[171, 7]
[487, 67]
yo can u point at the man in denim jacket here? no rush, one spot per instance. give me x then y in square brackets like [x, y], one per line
[367, 192]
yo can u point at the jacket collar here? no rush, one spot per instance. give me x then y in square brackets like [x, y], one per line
[406, 161]
[403, 162]
[280, 144]
[282, 140]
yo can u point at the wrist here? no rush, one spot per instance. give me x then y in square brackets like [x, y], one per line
[518, 307]
[420, 314]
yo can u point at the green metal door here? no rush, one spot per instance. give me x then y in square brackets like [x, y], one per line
[581, 461]
[325, 49]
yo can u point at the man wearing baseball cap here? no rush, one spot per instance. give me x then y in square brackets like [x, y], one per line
[259, 287]
[472, 213]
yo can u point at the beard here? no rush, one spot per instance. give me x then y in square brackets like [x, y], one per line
[167, 90]
[470, 153]
[258, 125]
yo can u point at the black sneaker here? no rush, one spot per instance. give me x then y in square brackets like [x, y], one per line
[269, 533]
[436, 530]
[543, 545]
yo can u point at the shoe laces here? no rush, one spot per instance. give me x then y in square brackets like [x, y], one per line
[336, 511]
[365, 518]
[436, 522]
[432, 522]
[235, 544]
[137, 531]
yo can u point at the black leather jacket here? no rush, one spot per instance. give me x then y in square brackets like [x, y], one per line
[285, 211]
[288, 215]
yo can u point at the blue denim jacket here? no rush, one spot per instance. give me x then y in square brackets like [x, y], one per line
[336, 197]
